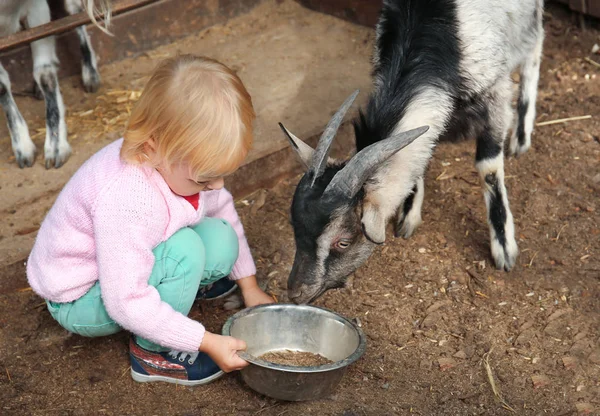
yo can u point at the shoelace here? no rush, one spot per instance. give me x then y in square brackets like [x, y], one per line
[181, 356]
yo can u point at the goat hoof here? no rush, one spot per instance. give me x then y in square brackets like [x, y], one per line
[505, 257]
[515, 149]
[91, 80]
[54, 163]
[55, 159]
[25, 160]
[520, 150]
[25, 153]
[398, 229]
[37, 92]
[234, 301]
[407, 227]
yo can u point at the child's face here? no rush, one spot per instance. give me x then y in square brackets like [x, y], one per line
[182, 183]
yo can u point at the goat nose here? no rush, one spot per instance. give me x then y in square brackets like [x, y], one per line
[294, 293]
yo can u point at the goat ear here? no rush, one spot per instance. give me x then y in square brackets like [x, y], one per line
[303, 151]
[373, 224]
[348, 181]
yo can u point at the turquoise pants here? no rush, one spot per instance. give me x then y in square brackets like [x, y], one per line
[191, 258]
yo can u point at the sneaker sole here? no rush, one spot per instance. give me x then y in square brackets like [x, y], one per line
[143, 378]
[229, 292]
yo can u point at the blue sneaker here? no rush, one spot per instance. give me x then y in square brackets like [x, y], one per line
[173, 366]
[219, 289]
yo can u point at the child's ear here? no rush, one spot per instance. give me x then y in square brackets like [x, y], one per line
[150, 145]
[149, 151]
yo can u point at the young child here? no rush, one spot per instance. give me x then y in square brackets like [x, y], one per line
[145, 222]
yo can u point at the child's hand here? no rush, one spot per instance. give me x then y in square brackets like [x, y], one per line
[253, 297]
[223, 350]
[252, 293]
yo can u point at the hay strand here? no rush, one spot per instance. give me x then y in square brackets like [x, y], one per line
[563, 120]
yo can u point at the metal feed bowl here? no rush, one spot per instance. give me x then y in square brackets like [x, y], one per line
[277, 327]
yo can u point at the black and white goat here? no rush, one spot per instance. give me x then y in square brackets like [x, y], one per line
[30, 13]
[443, 64]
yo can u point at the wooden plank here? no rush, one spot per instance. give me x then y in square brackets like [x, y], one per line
[362, 12]
[365, 12]
[589, 7]
[63, 25]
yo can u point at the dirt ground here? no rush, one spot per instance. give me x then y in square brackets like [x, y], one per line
[432, 307]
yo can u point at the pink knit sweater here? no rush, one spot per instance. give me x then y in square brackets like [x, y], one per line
[104, 226]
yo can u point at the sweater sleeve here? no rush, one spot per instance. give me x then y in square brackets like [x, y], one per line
[219, 204]
[129, 221]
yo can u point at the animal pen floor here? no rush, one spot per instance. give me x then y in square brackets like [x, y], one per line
[434, 310]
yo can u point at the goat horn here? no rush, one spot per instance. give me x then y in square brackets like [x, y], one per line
[348, 181]
[305, 152]
[319, 160]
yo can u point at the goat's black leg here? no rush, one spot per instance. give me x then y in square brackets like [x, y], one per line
[408, 217]
[22, 146]
[89, 67]
[45, 62]
[490, 164]
[520, 140]
[56, 148]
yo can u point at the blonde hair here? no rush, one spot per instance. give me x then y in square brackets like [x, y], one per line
[196, 111]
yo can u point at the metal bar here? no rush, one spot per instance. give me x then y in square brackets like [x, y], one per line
[64, 24]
